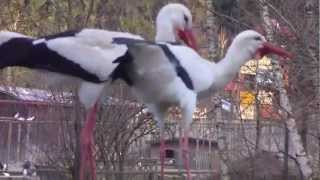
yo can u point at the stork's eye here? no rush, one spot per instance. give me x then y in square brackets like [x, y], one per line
[186, 19]
[257, 38]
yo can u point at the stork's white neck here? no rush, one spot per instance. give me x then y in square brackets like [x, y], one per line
[235, 57]
[225, 70]
[165, 32]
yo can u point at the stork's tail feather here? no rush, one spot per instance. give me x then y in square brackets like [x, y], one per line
[122, 70]
[14, 51]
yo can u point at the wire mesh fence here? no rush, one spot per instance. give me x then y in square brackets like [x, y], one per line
[43, 137]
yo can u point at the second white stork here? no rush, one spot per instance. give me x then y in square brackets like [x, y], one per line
[164, 75]
[88, 54]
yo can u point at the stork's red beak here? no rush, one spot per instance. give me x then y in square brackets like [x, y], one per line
[188, 37]
[269, 48]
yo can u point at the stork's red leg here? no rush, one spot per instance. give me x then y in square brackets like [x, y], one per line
[162, 157]
[92, 160]
[181, 150]
[158, 113]
[83, 156]
[185, 152]
[87, 143]
[187, 111]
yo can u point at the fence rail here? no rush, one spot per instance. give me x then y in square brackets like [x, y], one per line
[53, 174]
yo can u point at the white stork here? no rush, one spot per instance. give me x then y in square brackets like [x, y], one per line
[164, 75]
[88, 54]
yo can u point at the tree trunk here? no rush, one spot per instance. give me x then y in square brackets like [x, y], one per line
[77, 129]
[9, 75]
[222, 149]
[297, 150]
[211, 25]
[121, 167]
[309, 17]
[258, 120]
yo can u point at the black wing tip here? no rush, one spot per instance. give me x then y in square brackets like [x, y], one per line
[181, 72]
[67, 33]
[121, 40]
[131, 41]
[127, 57]
[122, 69]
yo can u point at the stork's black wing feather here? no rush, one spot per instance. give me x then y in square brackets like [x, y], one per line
[130, 41]
[122, 70]
[61, 34]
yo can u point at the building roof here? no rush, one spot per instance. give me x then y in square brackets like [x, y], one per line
[27, 94]
[47, 96]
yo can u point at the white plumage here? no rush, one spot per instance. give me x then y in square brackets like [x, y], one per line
[5, 36]
[91, 49]
[155, 78]
[161, 73]
[88, 55]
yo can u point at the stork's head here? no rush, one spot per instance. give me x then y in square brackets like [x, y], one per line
[174, 24]
[257, 46]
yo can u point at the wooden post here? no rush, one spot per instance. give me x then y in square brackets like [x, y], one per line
[286, 155]
[258, 121]
[27, 145]
[9, 141]
[197, 155]
[18, 142]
